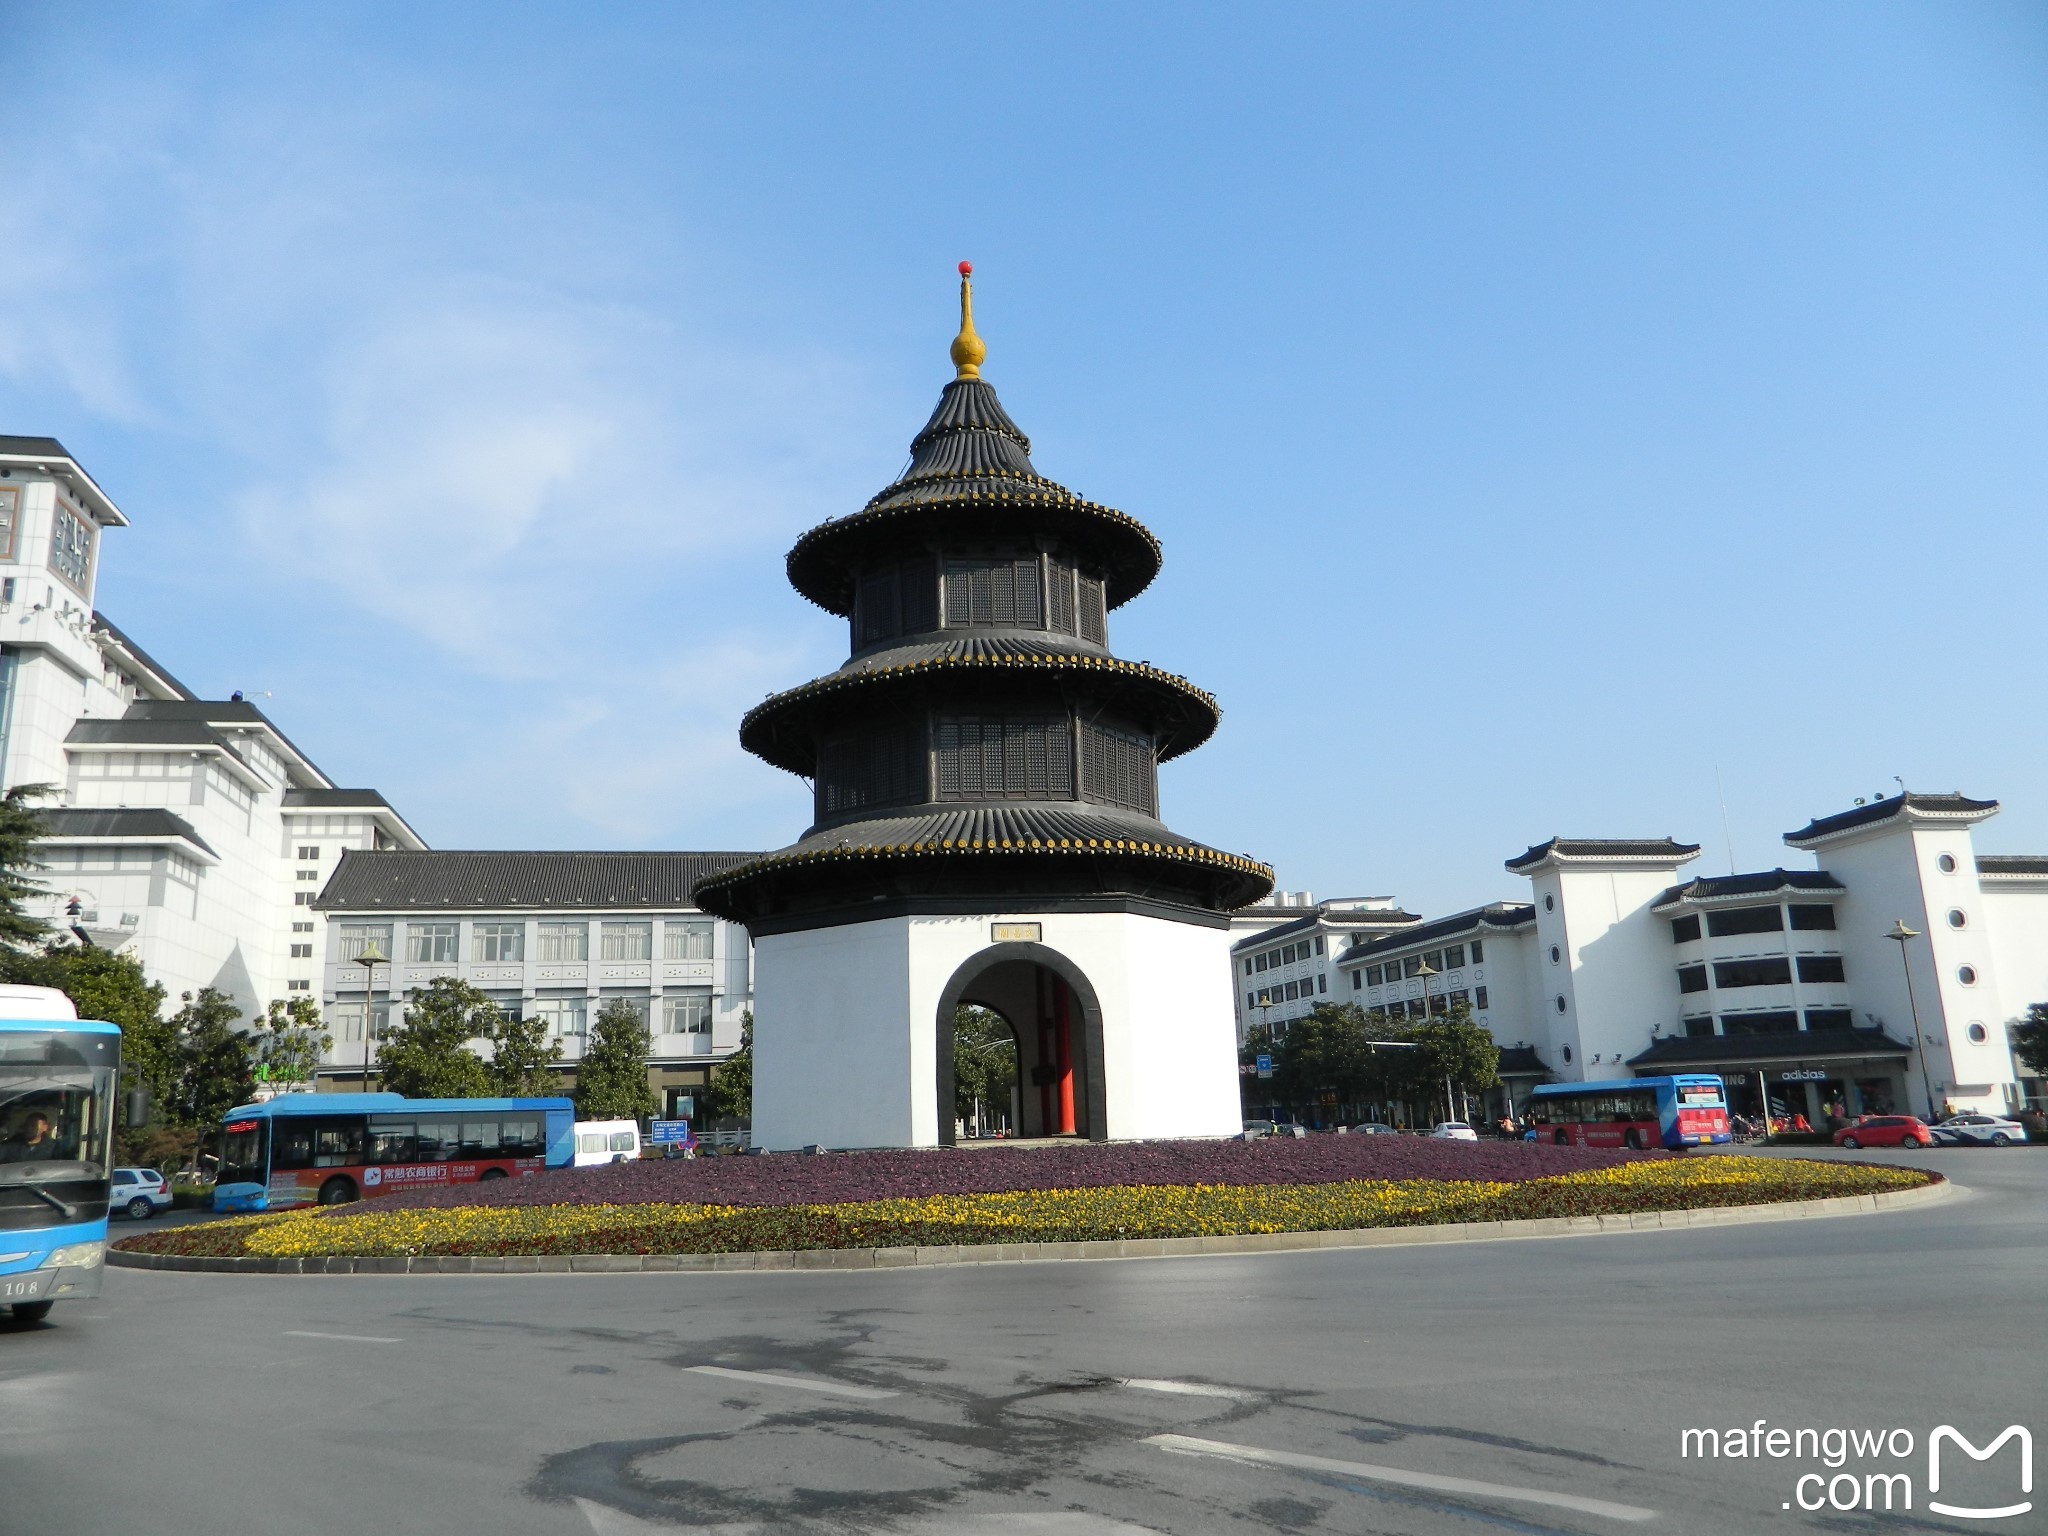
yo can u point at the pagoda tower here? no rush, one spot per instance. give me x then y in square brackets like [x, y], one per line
[986, 819]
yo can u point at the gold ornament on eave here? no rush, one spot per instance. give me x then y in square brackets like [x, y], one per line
[968, 352]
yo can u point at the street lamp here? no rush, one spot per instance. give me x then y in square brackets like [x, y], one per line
[1899, 934]
[1425, 971]
[369, 959]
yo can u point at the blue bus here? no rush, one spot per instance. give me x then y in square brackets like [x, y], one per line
[1638, 1112]
[331, 1148]
[57, 1083]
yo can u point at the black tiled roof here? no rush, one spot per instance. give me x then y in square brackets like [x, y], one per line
[1884, 810]
[1371, 917]
[2011, 864]
[130, 731]
[1522, 1061]
[339, 799]
[78, 824]
[1712, 887]
[34, 447]
[1634, 848]
[1804, 1045]
[101, 621]
[1495, 915]
[214, 712]
[402, 880]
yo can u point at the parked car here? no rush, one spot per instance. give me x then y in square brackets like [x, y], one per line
[1256, 1128]
[1885, 1131]
[1367, 1128]
[140, 1192]
[1979, 1131]
[1454, 1130]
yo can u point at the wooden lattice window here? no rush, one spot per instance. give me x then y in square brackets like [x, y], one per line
[1119, 767]
[993, 591]
[879, 765]
[1015, 757]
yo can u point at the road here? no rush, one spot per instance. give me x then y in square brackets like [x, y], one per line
[1525, 1387]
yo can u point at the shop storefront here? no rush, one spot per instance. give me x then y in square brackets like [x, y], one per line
[1815, 1076]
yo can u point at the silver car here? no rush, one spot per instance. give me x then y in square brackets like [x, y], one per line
[1978, 1131]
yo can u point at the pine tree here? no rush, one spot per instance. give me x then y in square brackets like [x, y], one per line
[428, 1055]
[21, 831]
[523, 1059]
[611, 1080]
[216, 1067]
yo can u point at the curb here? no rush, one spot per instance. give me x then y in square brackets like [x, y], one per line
[1012, 1253]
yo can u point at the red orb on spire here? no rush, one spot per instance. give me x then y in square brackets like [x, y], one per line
[966, 269]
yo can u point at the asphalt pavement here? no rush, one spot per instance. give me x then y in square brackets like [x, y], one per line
[1528, 1387]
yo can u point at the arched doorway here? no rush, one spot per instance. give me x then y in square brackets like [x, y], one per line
[1058, 1023]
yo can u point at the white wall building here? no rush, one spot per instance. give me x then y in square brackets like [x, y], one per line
[1283, 970]
[554, 935]
[1784, 982]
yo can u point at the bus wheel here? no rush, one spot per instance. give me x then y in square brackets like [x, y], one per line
[337, 1192]
[1562, 1138]
[1635, 1139]
[32, 1311]
[489, 1174]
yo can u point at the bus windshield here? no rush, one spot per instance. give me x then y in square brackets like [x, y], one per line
[242, 1149]
[56, 1120]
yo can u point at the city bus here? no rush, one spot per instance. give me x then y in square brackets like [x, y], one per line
[331, 1148]
[1638, 1112]
[57, 1081]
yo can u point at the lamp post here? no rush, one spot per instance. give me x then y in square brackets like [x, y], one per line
[370, 958]
[1899, 934]
[1425, 971]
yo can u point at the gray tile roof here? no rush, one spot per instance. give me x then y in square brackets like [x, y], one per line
[1803, 1045]
[1956, 804]
[1371, 917]
[1634, 849]
[76, 824]
[340, 799]
[2011, 864]
[404, 880]
[1713, 887]
[1496, 916]
[102, 622]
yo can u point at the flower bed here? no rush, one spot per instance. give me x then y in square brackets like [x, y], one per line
[1021, 1216]
[838, 1177]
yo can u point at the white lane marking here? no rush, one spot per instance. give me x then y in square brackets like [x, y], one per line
[1188, 1445]
[343, 1338]
[1180, 1388]
[805, 1383]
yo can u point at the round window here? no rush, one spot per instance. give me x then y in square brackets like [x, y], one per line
[1560, 1005]
[1567, 1051]
[1967, 975]
[1978, 1034]
[1946, 863]
[1556, 954]
[1550, 903]
[1957, 918]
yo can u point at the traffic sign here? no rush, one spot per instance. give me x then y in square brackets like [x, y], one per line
[664, 1131]
[1265, 1065]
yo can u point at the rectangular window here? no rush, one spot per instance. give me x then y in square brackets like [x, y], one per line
[1119, 768]
[1760, 1023]
[1685, 929]
[1292, 992]
[430, 943]
[1696, 1027]
[883, 763]
[561, 942]
[304, 898]
[1830, 1018]
[1319, 945]
[1478, 952]
[522, 1136]
[391, 1141]
[309, 874]
[1249, 1001]
[1813, 916]
[1357, 981]
[71, 548]
[302, 951]
[1692, 978]
[298, 986]
[438, 1140]
[10, 519]
[1775, 971]
[497, 941]
[1820, 968]
[1322, 983]
[1412, 966]
[1479, 998]
[1372, 975]
[309, 854]
[1094, 611]
[351, 939]
[628, 941]
[987, 591]
[1454, 956]
[686, 1013]
[1259, 960]
[686, 941]
[1436, 960]
[874, 607]
[302, 927]
[990, 756]
[1287, 954]
[1738, 920]
[567, 1018]
[1060, 592]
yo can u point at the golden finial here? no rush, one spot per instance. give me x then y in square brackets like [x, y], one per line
[968, 352]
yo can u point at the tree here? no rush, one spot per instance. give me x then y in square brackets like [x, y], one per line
[290, 1041]
[21, 831]
[523, 1059]
[730, 1093]
[428, 1056]
[109, 986]
[1454, 1052]
[216, 1067]
[611, 1080]
[984, 1060]
[2030, 1040]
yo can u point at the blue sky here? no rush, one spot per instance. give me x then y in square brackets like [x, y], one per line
[1546, 410]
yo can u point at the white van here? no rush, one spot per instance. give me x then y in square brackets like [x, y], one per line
[606, 1141]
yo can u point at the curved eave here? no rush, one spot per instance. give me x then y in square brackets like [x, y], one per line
[1244, 880]
[776, 730]
[821, 563]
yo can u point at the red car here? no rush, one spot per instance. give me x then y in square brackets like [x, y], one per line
[1885, 1131]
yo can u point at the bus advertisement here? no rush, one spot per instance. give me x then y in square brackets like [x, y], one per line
[57, 1082]
[331, 1148]
[1638, 1112]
